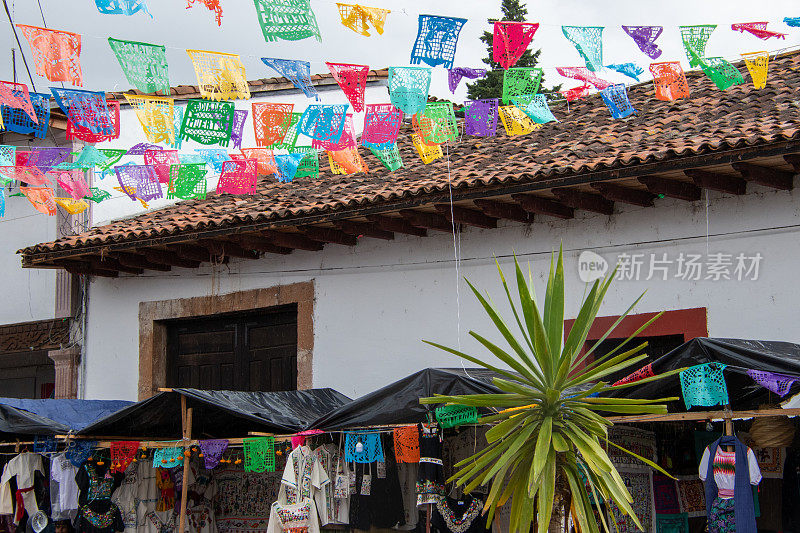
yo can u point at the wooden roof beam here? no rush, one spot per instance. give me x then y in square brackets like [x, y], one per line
[672, 188]
[226, 248]
[626, 195]
[194, 253]
[111, 264]
[543, 206]
[794, 160]
[363, 229]
[496, 209]
[397, 225]
[464, 215]
[292, 240]
[168, 258]
[138, 261]
[717, 182]
[331, 235]
[78, 267]
[422, 219]
[260, 244]
[769, 177]
[584, 200]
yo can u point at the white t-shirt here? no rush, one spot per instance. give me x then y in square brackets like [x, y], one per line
[725, 470]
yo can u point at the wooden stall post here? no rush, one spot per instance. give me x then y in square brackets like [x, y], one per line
[186, 418]
[728, 431]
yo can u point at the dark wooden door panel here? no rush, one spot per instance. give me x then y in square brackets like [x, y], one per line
[239, 352]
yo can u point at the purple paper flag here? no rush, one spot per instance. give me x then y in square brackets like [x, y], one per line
[645, 38]
[777, 383]
[454, 76]
[480, 117]
[239, 119]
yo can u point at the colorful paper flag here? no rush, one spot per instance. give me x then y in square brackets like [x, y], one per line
[588, 40]
[616, 99]
[521, 80]
[208, 122]
[437, 38]
[238, 177]
[454, 76]
[296, 71]
[381, 125]
[155, 114]
[358, 18]
[56, 54]
[87, 109]
[645, 38]
[144, 65]
[669, 80]
[758, 65]
[510, 41]
[121, 7]
[408, 88]
[290, 20]
[220, 76]
[759, 29]
[271, 122]
[323, 122]
[211, 5]
[353, 81]
[480, 117]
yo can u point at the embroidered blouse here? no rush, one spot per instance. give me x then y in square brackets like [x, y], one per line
[99, 516]
[459, 516]
[333, 508]
[302, 476]
[297, 518]
[725, 470]
[23, 466]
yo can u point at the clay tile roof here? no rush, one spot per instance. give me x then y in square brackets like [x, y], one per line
[586, 140]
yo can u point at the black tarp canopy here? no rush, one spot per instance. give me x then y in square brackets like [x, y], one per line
[20, 417]
[739, 355]
[398, 402]
[219, 414]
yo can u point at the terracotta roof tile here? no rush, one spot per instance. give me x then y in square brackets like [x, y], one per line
[586, 140]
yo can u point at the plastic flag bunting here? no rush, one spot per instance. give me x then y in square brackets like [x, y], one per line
[16, 120]
[85, 134]
[353, 81]
[583, 74]
[113, 155]
[436, 41]
[139, 182]
[176, 127]
[290, 139]
[535, 106]
[187, 182]
[16, 95]
[408, 88]
[2, 202]
[669, 80]
[215, 157]
[22, 174]
[616, 99]
[704, 385]
[759, 29]
[694, 41]
[309, 166]
[520, 80]
[238, 177]
[290, 20]
[161, 160]
[390, 157]
[347, 161]
[237, 132]
[88, 158]
[45, 158]
[271, 122]
[323, 122]
[220, 76]
[287, 166]
[144, 64]
[141, 148]
[87, 109]
[645, 38]
[792, 21]
[510, 41]
[98, 195]
[381, 125]
[631, 70]
[72, 182]
[516, 122]
[721, 72]
[71, 205]
[428, 153]
[454, 76]
[576, 93]
[121, 7]
[155, 114]
[259, 454]
[55, 53]
[357, 18]
[8, 155]
[265, 159]
[211, 5]
[780, 384]
[296, 71]
[480, 117]
[437, 124]
[41, 198]
[758, 65]
[588, 40]
[346, 140]
[208, 122]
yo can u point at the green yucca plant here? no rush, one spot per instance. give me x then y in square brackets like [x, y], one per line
[549, 437]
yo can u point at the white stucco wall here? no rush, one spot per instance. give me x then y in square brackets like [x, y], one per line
[376, 301]
[121, 206]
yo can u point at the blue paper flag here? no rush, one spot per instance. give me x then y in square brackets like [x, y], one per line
[436, 41]
[287, 165]
[629, 69]
[85, 108]
[792, 21]
[323, 122]
[121, 7]
[17, 120]
[296, 71]
[616, 99]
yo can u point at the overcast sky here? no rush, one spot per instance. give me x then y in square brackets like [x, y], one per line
[179, 28]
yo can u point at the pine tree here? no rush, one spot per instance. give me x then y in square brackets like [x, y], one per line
[492, 85]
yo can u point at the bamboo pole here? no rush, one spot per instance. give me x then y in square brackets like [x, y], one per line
[186, 415]
[703, 415]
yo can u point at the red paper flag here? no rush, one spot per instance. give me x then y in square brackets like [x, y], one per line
[55, 53]
[510, 41]
[353, 80]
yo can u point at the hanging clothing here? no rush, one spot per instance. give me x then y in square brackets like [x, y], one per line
[125, 498]
[160, 524]
[729, 476]
[458, 516]
[407, 475]
[430, 477]
[23, 466]
[146, 496]
[333, 507]
[302, 476]
[166, 500]
[200, 516]
[294, 518]
[96, 482]
[99, 516]
[377, 500]
[63, 488]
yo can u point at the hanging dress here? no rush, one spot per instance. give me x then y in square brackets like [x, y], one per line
[430, 476]
[459, 516]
